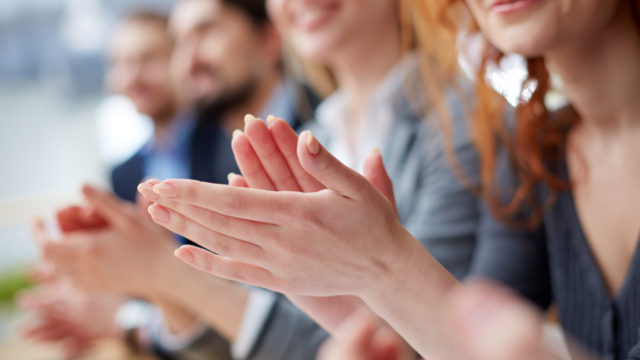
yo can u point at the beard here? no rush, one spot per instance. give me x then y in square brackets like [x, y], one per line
[210, 109]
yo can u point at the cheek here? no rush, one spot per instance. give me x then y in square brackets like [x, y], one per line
[278, 14]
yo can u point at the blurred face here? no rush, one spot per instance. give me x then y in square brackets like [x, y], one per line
[219, 54]
[322, 29]
[535, 27]
[139, 67]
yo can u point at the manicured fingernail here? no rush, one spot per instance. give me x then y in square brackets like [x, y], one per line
[270, 119]
[248, 118]
[236, 133]
[147, 191]
[312, 144]
[166, 190]
[185, 255]
[230, 176]
[159, 213]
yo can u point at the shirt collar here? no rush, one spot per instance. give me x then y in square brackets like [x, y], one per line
[333, 110]
[176, 135]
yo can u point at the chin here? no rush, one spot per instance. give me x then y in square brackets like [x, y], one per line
[525, 41]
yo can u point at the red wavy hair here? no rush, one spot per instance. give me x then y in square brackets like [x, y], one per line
[538, 140]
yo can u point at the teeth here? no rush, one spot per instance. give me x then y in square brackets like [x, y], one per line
[309, 16]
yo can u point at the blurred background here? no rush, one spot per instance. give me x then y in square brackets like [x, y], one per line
[58, 127]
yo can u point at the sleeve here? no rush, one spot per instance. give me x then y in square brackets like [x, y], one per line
[259, 306]
[288, 333]
[444, 214]
[198, 343]
[513, 257]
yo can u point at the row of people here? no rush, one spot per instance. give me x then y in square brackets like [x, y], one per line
[554, 217]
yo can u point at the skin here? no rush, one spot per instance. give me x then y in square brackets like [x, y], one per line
[220, 51]
[62, 311]
[139, 56]
[343, 37]
[316, 229]
[110, 247]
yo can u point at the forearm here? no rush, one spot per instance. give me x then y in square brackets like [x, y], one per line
[413, 298]
[328, 312]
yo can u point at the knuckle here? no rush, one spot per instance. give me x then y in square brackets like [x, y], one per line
[190, 191]
[222, 246]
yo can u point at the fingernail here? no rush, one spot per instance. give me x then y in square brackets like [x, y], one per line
[185, 255]
[159, 214]
[236, 133]
[230, 176]
[147, 191]
[270, 119]
[248, 118]
[166, 190]
[312, 144]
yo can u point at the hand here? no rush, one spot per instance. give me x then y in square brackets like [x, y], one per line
[67, 315]
[363, 337]
[128, 256]
[274, 165]
[268, 160]
[74, 218]
[489, 322]
[296, 243]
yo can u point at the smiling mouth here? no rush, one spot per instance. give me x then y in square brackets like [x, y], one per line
[507, 7]
[312, 19]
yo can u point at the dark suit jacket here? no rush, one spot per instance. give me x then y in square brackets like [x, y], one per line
[212, 160]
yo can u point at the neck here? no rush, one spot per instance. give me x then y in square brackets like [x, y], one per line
[233, 118]
[601, 76]
[161, 122]
[361, 68]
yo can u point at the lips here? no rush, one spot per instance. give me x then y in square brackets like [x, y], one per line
[309, 18]
[506, 7]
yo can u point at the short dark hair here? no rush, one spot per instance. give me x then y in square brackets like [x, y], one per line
[256, 10]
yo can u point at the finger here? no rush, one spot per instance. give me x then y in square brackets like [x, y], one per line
[375, 172]
[237, 180]
[65, 255]
[46, 332]
[42, 274]
[39, 233]
[249, 163]
[171, 213]
[226, 268]
[327, 169]
[287, 141]
[116, 211]
[69, 218]
[209, 239]
[249, 204]
[269, 155]
[386, 345]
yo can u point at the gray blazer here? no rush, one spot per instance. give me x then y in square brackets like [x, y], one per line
[432, 202]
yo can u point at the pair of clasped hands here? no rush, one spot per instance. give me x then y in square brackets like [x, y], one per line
[298, 221]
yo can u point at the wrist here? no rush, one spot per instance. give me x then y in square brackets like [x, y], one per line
[409, 269]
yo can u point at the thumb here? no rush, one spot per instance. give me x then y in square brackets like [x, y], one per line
[328, 170]
[377, 175]
[116, 211]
